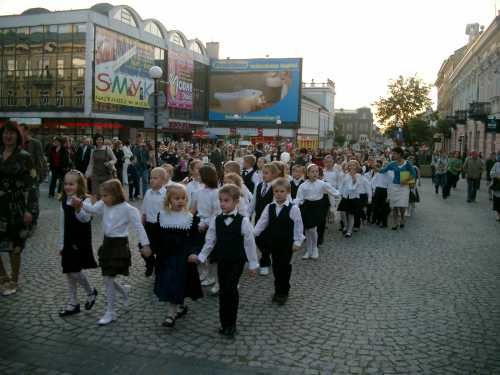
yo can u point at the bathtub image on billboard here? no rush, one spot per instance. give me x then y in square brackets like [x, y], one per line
[255, 90]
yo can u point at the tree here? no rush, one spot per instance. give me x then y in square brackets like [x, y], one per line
[407, 97]
[418, 130]
[340, 140]
[339, 132]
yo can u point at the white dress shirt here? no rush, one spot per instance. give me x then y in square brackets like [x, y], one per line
[116, 219]
[333, 177]
[256, 178]
[207, 204]
[381, 180]
[245, 202]
[192, 187]
[295, 216]
[248, 241]
[153, 203]
[82, 216]
[352, 190]
[314, 191]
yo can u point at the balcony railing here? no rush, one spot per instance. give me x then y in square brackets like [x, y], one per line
[461, 117]
[479, 110]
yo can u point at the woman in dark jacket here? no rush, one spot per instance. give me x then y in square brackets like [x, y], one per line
[59, 164]
[18, 201]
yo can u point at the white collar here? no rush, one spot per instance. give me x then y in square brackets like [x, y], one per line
[160, 191]
[176, 220]
[285, 203]
[297, 180]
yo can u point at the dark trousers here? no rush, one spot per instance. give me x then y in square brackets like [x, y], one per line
[56, 175]
[472, 187]
[282, 271]
[321, 231]
[229, 274]
[151, 231]
[361, 214]
[133, 188]
[451, 181]
[265, 257]
[381, 208]
[439, 180]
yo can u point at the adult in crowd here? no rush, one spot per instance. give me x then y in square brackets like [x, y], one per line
[82, 155]
[102, 164]
[59, 164]
[495, 185]
[18, 201]
[453, 173]
[120, 159]
[216, 157]
[301, 158]
[141, 154]
[440, 164]
[127, 154]
[488, 165]
[399, 192]
[259, 151]
[472, 170]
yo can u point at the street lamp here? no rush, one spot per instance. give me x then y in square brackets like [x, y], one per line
[278, 122]
[155, 72]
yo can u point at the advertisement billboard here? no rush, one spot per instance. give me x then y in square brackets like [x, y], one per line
[180, 80]
[122, 70]
[256, 91]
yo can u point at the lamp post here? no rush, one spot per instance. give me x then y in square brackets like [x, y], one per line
[278, 123]
[155, 72]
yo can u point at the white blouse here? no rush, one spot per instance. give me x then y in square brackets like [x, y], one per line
[116, 219]
[314, 191]
[381, 180]
[352, 190]
[333, 177]
[192, 187]
[82, 216]
[153, 203]
[207, 204]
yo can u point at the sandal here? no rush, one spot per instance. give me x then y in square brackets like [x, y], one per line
[181, 312]
[168, 322]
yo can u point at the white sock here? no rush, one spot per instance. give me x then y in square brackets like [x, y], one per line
[119, 287]
[311, 240]
[73, 300]
[109, 283]
[82, 280]
[350, 223]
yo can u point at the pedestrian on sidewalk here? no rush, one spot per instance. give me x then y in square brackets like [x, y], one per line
[453, 173]
[440, 164]
[495, 185]
[473, 168]
[114, 253]
[75, 242]
[18, 201]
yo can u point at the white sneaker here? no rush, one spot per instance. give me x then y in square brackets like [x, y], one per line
[315, 254]
[107, 318]
[215, 289]
[9, 289]
[208, 281]
[126, 295]
[264, 271]
[306, 255]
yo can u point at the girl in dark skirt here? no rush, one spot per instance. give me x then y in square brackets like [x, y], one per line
[351, 187]
[75, 243]
[310, 198]
[114, 253]
[176, 279]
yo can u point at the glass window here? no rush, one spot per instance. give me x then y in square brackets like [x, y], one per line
[60, 68]
[11, 98]
[22, 40]
[27, 98]
[78, 61]
[126, 17]
[44, 98]
[78, 74]
[153, 28]
[177, 39]
[196, 48]
[60, 98]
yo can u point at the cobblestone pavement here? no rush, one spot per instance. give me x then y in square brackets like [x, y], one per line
[424, 299]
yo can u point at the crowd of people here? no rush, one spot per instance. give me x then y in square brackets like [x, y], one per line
[205, 211]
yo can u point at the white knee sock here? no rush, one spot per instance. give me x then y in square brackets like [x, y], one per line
[82, 280]
[73, 300]
[343, 217]
[350, 223]
[311, 240]
[109, 283]
[119, 287]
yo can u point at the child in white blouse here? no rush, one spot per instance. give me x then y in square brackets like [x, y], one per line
[246, 196]
[193, 182]
[114, 254]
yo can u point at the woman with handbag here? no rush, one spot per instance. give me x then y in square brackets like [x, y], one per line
[102, 164]
[495, 185]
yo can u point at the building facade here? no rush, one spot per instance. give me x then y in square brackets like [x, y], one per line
[356, 125]
[468, 85]
[80, 72]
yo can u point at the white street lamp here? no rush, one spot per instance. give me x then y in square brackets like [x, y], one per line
[155, 72]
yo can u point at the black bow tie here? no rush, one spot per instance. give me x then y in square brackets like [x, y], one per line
[232, 216]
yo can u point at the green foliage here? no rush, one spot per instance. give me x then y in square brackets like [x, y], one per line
[418, 131]
[340, 140]
[407, 97]
[444, 127]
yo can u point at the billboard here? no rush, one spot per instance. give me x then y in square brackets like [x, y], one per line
[180, 80]
[122, 70]
[256, 91]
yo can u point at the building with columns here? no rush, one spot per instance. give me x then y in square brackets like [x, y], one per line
[356, 125]
[468, 86]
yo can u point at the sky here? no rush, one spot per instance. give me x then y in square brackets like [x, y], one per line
[359, 44]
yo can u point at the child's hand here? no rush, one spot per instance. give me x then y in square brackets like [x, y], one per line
[202, 227]
[252, 273]
[146, 251]
[185, 181]
[76, 203]
[193, 258]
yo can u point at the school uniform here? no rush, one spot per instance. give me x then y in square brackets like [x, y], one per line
[369, 175]
[231, 237]
[365, 198]
[351, 204]
[381, 209]
[152, 203]
[192, 188]
[176, 279]
[262, 197]
[207, 207]
[280, 226]
[75, 239]
[294, 186]
[250, 178]
[245, 202]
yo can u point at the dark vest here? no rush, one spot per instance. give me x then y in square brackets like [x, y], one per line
[262, 201]
[280, 228]
[247, 179]
[294, 188]
[229, 245]
[76, 233]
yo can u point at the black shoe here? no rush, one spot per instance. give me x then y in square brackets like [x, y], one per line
[180, 313]
[275, 297]
[395, 228]
[281, 299]
[149, 269]
[401, 225]
[230, 332]
[71, 311]
[91, 300]
[320, 241]
[168, 322]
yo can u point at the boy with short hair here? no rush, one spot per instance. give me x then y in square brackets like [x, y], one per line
[151, 206]
[298, 172]
[250, 177]
[231, 242]
[281, 227]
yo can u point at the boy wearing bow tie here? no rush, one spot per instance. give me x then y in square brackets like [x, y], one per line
[231, 242]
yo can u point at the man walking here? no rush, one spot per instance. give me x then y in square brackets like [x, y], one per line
[82, 155]
[141, 153]
[473, 168]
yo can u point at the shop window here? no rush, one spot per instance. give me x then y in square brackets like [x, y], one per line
[78, 98]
